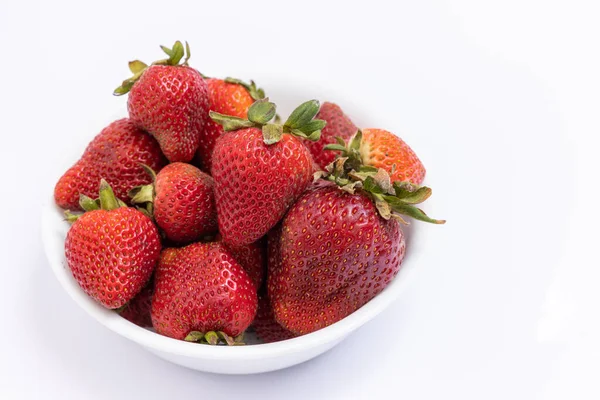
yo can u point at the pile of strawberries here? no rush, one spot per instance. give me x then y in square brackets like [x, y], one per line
[202, 215]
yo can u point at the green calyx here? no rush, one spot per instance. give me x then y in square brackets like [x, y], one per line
[106, 201]
[300, 123]
[143, 196]
[392, 199]
[137, 67]
[255, 92]
[214, 338]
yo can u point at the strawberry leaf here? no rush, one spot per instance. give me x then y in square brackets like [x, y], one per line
[303, 114]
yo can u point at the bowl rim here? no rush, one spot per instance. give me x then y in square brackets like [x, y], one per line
[52, 215]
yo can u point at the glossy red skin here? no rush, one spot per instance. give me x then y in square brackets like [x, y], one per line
[335, 254]
[201, 287]
[171, 103]
[253, 258]
[338, 124]
[115, 155]
[383, 149]
[256, 183]
[184, 205]
[112, 254]
[224, 98]
[138, 309]
[265, 326]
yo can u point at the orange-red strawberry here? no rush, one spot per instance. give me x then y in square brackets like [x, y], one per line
[116, 154]
[111, 249]
[261, 169]
[182, 202]
[170, 101]
[200, 292]
[382, 149]
[253, 258]
[138, 309]
[338, 125]
[265, 326]
[227, 96]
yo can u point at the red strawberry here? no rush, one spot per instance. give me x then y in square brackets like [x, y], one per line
[383, 149]
[252, 257]
[339, 246]
[182, 201]
[261, 169]
[115, 155]
[201, 291]
[138, 309]
[229, 97]
[170, 101]
[338, 125]
[111, 250]
[265, 326]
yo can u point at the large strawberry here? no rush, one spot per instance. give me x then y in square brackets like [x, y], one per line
[227, 96]
[340, 245]
[201, 293]
[383, 149]
[116, 154]
[338, 125]
[170, 101]
[261, 168]
[111, 249]
[181, 200]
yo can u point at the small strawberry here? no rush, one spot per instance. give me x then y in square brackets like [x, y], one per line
[338, 125]
[227, 96]
[116, 154]
[261, 168]
[252, 257]
[111, 249]
[265, 326]
[181, 201]
[138, 309]
[170, 101]
[383, 149]
[201, 292]
[340, 245]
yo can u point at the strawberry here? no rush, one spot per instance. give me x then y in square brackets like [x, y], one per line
[115, 155]
[265, 326]
[339, 245]
[252, 257]
[338, 125]
[170, 101]
[383, 149]
[227, 96]
[261, 168]
[138, 309]
[111, 249]
[181, 200]
[201, 293]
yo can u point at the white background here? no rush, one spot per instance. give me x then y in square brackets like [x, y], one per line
[499, 98]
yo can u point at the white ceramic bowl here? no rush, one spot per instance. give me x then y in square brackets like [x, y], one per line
[252, 358]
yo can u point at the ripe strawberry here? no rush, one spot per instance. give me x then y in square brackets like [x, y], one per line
[227, 96]
[170, 101]
[111, 249]
[182, 202]
[261, 169]
[138, 309]
[252, 257]
[339, 245]
[115, 155]
[338, 125]
[201, 291]
[265, 326]
[383, 149]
